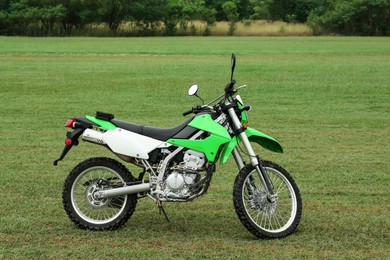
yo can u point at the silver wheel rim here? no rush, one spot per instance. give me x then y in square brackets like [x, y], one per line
[89, 208]
[272, 217]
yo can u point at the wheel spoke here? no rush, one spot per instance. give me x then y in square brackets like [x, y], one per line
[274, 217]
[92, 209]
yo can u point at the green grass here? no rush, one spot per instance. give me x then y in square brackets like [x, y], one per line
[326, 99]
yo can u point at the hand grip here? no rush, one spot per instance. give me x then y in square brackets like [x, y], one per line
[187, 112]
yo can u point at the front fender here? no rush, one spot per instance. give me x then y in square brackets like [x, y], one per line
[253, 135]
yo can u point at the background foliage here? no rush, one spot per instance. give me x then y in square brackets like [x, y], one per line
[171, 17]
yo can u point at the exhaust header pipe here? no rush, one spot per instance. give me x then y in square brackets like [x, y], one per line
[123, 191]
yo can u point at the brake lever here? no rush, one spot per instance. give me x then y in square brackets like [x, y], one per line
[240, 87]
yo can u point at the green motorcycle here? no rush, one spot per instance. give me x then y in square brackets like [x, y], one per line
[177, 166]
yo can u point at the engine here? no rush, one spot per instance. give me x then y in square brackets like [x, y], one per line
[182, 176]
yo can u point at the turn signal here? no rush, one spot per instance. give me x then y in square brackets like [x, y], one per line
[68, 141]
[245, 125]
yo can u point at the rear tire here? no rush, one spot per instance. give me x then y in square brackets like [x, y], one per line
[261, 217]
[89, 212]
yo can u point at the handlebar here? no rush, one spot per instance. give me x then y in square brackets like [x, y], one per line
[197, 109]
[194, 109]
[229, 89]
[187, 112]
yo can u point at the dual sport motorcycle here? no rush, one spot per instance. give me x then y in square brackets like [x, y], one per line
[177, 165]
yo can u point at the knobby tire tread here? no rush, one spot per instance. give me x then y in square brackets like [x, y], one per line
[66, 197]
[240, 208]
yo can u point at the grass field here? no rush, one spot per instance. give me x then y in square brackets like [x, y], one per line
[326, 99]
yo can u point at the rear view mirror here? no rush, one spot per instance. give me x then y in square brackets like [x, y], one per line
[193, 90]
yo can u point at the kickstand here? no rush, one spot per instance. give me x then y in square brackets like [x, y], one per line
[161, 209]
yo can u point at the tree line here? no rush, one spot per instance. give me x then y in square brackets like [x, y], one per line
[172, 17]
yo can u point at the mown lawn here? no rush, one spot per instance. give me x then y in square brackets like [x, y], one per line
[326, 99]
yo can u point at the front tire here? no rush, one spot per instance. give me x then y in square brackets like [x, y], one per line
[260, 216]
[90, 212]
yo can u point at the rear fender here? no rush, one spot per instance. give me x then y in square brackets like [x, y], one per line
[106, 125]
[79, 126]
[255, 136]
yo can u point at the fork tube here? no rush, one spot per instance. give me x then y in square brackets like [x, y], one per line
[255, 162]
[237, 125]
[238, 158]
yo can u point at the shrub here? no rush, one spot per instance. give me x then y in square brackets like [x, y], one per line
[357, 17]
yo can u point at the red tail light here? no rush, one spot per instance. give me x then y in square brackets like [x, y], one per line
[70, 123]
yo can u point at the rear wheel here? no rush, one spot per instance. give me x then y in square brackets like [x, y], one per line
[264, 217]
[89, 211]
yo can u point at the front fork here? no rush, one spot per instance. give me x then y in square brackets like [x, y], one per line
[256, 162]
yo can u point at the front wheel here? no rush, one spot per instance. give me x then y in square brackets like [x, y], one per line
[261, 216]
[88, 211]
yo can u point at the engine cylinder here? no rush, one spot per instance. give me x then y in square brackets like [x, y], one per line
[194, 159]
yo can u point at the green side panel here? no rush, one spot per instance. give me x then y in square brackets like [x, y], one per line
[104, 124]
[262, 139]
[208, 146]
[206, 123]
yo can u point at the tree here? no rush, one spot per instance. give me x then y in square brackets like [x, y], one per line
[29, 17]
[3, 22]
[113, 12]
[303, 9]
[282, 9]
[49, 15]
[356, 17]
[244, 9]
[78, 14]
[261, 9]
[291, 10]
[20, 16]
[147, 14]
[172, 16]
[205, 14]
[216, 5]
[230, 9]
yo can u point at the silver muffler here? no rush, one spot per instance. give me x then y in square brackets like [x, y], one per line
[93, 136]
[122, 191]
